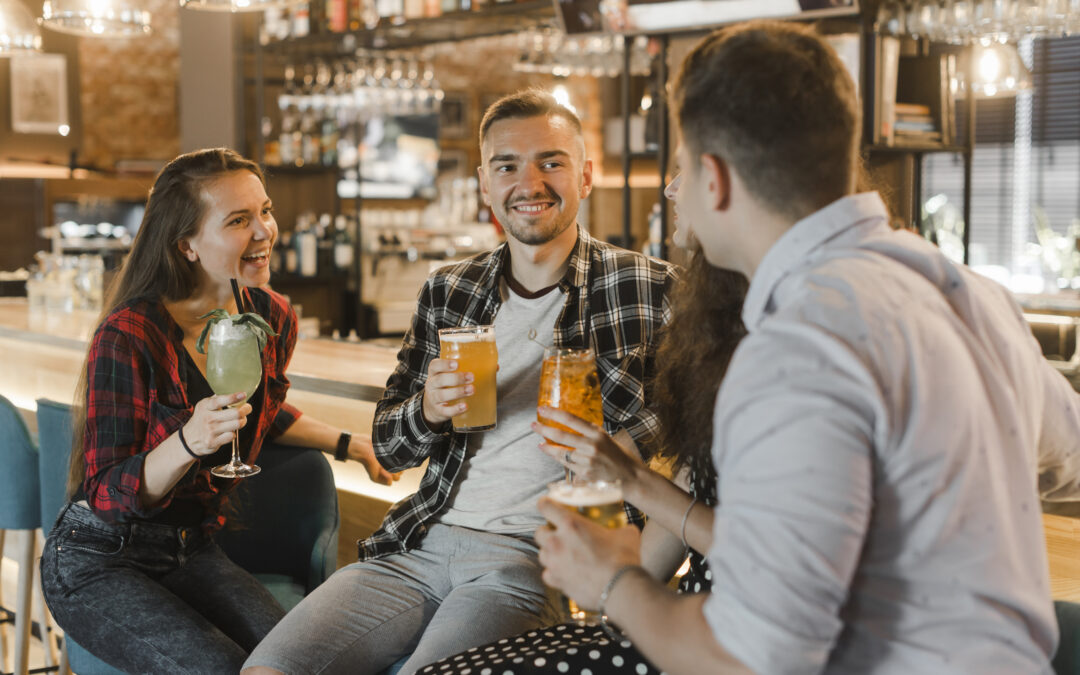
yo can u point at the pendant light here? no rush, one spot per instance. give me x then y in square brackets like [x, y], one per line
[18, 32]
[96, 18]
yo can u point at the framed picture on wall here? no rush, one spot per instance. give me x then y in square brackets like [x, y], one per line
[39, 103]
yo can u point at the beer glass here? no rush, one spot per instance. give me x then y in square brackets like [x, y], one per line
[601, 502]
[568, 381]
[233, 363]
[473, 348]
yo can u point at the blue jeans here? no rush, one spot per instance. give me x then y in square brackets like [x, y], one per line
[150, 598]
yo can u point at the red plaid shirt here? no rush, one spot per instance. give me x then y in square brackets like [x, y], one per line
[136, 398]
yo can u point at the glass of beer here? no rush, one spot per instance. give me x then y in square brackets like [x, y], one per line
[601, 501]
[473, 347]
[568, 381]
[233, 363]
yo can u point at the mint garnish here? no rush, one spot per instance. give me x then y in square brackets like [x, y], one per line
[256, 323]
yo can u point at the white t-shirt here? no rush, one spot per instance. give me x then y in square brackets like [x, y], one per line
[505, 473]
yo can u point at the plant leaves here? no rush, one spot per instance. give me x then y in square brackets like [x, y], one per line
[255, 323]
[214, 316]
[259, 326]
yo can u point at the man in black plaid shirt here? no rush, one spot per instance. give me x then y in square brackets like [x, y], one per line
[455, 565]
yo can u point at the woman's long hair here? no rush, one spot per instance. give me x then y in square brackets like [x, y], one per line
[692, 358]
[155, 268]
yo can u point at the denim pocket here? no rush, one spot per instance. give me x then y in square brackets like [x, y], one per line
[89, 540]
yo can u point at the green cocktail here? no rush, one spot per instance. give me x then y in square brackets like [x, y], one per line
[233, 364]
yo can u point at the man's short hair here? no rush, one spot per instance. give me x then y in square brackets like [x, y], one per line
[524, 104]
[773, 100]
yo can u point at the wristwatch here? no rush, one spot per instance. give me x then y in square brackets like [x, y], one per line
[341, 452]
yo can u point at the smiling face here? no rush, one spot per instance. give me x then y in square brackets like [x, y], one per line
[534, 176]
[235, 234]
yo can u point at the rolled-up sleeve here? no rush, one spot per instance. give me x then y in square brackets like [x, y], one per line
[117, 424]
[793, 449]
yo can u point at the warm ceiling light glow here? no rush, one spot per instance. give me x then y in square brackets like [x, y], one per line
[18, 32]
[96, 18]
[562, 97]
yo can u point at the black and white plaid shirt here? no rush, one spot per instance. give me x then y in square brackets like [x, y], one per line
[616, 301]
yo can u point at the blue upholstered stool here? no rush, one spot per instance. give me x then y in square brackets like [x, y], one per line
[1067, 659]
[19, 511]
[285, 521]
[54, 434]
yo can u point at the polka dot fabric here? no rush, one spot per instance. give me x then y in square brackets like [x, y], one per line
[567, 648]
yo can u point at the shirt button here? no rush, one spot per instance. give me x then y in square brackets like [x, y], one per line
[111, 491]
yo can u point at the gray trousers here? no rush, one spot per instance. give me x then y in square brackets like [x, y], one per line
[461, 588]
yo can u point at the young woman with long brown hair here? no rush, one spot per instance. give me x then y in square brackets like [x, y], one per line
[131, 571]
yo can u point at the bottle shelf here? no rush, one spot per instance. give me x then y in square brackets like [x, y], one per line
[491, 19]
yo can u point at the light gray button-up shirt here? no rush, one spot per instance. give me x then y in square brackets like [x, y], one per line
[878, 439]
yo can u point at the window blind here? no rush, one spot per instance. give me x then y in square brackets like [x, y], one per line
[1027, 156]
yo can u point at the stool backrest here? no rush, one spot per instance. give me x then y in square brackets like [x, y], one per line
[20, 497]
[54, 437]
[286, 519]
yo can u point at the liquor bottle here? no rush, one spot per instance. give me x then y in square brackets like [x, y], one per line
[301, 20]
[307, 247]
[337, 16]
[343, 243]
[324, 236]
[288, 245]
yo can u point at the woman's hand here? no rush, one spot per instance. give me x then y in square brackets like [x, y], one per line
[361, 449]
[590, 453]
[579, 556]
[213, 424]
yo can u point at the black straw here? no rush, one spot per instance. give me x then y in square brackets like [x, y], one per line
[240, 309]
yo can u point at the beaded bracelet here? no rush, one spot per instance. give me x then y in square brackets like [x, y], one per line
[612, 631]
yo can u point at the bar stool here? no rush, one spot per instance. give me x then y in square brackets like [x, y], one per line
[54, 430]
[19, 512]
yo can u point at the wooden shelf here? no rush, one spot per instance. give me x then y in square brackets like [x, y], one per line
[914, 148]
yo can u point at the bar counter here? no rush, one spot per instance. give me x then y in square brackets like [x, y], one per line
[334, 381]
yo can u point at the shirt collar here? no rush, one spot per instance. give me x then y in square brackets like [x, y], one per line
[793, 248]
[577, 270]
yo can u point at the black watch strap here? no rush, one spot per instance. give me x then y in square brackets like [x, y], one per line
[341, 452]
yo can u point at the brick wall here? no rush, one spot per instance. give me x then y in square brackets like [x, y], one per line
[128, 93]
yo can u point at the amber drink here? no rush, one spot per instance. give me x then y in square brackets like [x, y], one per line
[601, 502]
[569, 381]
[473, 348]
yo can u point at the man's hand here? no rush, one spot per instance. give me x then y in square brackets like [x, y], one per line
[443, 392]
[361, 449]
[579, 556]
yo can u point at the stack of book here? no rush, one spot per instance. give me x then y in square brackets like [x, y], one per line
[914, 125]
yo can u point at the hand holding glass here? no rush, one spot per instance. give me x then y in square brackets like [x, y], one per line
[233, 364]
[473, 348]
[601, 502]
[569, 381]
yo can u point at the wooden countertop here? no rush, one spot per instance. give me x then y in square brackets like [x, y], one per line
[354, 370]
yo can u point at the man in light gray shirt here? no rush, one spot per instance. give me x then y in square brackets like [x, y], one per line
[884, 432]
